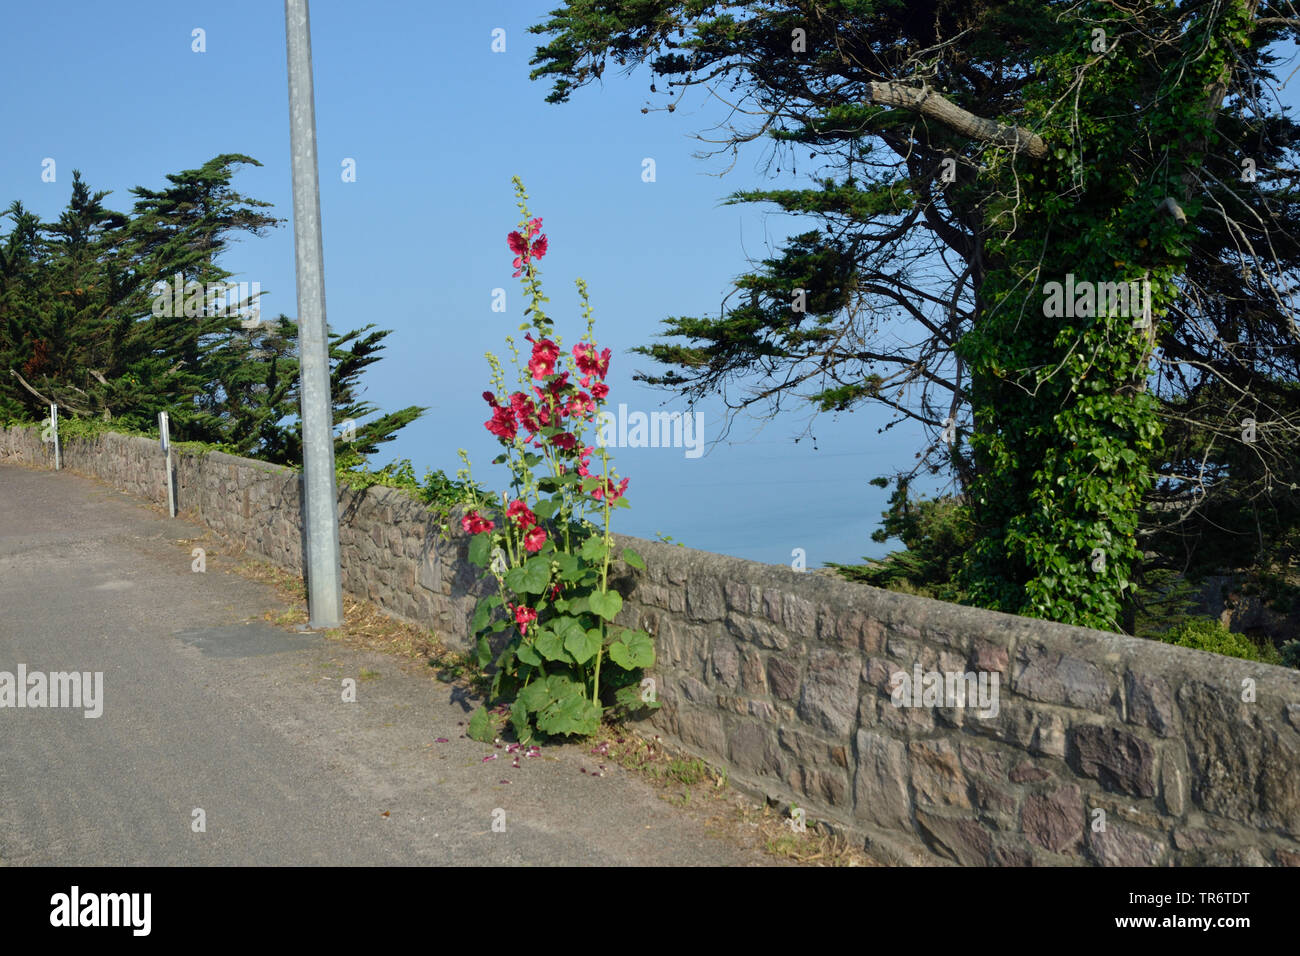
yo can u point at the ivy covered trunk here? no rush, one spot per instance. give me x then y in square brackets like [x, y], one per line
[1066, 435]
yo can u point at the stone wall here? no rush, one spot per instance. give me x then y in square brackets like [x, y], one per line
[1100, 749]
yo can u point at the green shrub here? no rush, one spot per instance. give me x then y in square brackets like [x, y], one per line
[1208, 634]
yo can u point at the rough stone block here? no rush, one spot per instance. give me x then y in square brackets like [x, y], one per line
[830, 691]
[937, 776]
[1055, 821]
[1061, 679]
[880, 782]
[1118, 760]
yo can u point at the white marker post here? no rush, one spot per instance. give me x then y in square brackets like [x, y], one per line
[54, 427]
[164, 437]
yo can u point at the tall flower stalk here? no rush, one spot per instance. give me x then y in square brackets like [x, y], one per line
[549, 626]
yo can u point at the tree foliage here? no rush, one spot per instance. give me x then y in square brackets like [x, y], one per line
[79, 326]
[964, 155]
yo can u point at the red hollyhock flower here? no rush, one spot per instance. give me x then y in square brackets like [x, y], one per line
[565, 440]
[527, 248]
[581, 404]
[556, 388]
[584, 461]
[474, 523]
[589, 363]
[545, 353]
[530, 416]
[520, 514]
[535, 538]
[523, 617]
[599, 390]
[502, 423]
[614, 492]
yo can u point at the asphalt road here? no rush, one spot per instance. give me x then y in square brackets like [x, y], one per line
[206, 706]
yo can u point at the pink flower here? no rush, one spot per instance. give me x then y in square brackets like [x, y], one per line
[535, 538]
[474, 523]
[614, 492]
[599, 391]
[581, 404]
[545, 353]
[527, 247]
[523, 617]
[520, 514]
[502, 423]
[589, 363]
[529, 415]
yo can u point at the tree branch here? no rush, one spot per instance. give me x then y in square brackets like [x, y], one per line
[933, 106]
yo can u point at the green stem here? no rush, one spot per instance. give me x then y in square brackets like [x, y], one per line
[604, 579]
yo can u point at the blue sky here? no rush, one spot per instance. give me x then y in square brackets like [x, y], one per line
[437, 124]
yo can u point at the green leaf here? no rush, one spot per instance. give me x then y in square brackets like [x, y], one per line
[519, 721]
[483, 612]
[537, 575]
[632, 558]
[545, 508]
[484, 652]
[480, 726]
[581, 643]
[535, 696]
[480, 549]
[594, 549]
[630, 697]
[530, 577]
[550, 645]
[570, 714]
[567, 564]
[635, 650]
[528, 654]
[606, 604]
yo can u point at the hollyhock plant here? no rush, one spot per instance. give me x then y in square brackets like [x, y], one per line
[549, 627]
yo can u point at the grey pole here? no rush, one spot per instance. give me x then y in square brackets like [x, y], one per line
[320, 497]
